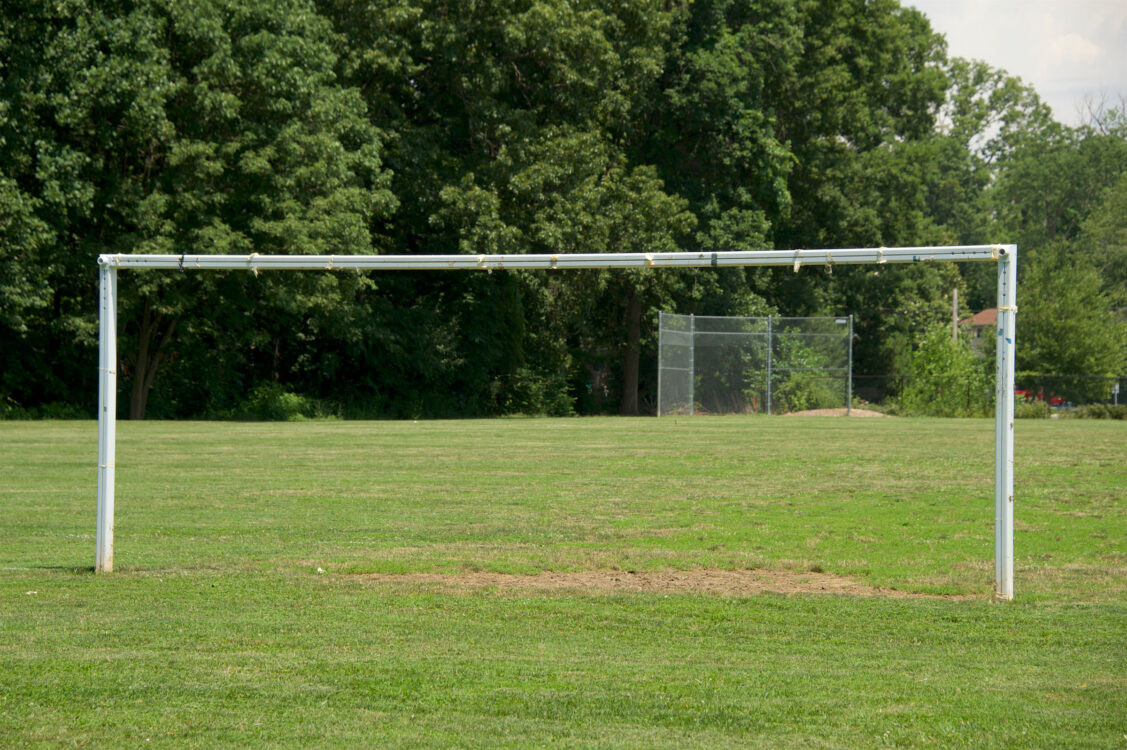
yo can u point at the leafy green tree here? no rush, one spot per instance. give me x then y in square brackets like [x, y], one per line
[987, 116]
[948, 378]
[868, 80]
[513, 123]
[1045, 190]
[1067, 328]
[1057, 193]
[713, 130]
[81, 90]
[859, 117]
[573, 193]
[1103, 238]
[24, 237]
[164, 127]
[506, 126]
[993, 113]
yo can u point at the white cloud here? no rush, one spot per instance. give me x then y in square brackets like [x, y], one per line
[1112, 16]
[1073, 48]
[1067, 51]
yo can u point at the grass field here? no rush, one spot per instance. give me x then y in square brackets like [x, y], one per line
[268, 589]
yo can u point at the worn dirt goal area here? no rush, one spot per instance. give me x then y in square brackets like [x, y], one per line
[840, 412]
[701, 581]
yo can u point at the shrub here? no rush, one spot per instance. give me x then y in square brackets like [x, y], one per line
[1032, 410]
[1099, 411]
[948, 379]
[271, 402]
[9, 409]
[526, 392]
[802, 391]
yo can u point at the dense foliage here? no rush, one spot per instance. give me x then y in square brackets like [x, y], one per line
[948, 378]
[420, 126]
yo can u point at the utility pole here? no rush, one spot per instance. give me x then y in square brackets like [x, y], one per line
[955, 314]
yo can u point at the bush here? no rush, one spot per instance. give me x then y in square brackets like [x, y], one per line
[1032, 410]
[271, 402]
[803, 391]
[1099, 411]
[526, 392]
[948, 379]
[9, 409]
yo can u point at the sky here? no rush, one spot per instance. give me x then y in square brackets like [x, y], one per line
[1068, 50]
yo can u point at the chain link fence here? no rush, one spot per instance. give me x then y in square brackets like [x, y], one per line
[742, 365]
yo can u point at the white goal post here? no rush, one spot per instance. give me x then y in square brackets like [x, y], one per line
[1004, 255]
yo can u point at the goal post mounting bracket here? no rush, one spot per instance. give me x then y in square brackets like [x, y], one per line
[1004, 255]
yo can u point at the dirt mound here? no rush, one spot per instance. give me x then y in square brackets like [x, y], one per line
[707, 581]
[835, 413]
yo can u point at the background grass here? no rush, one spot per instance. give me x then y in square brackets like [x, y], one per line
[217, 629]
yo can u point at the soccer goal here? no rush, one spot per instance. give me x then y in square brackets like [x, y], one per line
[1005, 256]
[708, 364]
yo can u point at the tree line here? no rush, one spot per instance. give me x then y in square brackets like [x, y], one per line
[515, 126]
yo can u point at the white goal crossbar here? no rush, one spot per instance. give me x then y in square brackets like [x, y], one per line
[1004, 255]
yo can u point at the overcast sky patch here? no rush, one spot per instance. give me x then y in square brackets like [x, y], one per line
[1070, 51]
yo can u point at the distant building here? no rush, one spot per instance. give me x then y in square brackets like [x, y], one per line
[981, 324]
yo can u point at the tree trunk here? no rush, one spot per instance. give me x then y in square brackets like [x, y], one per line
[149, 354]
[633, 355]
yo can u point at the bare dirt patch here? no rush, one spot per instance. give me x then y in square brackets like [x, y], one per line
[840, 412]
[701, 581]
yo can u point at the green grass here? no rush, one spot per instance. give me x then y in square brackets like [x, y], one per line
[217, 629]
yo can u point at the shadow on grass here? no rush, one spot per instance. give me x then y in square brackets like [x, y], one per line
[76, 569]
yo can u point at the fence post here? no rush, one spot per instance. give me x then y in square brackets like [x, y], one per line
[660, 333]
[770, 346]
[692, 361]
[849, 385]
